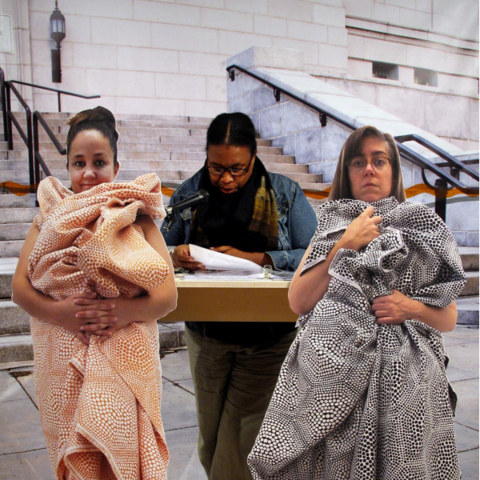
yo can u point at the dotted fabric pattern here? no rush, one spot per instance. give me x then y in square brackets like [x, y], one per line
[99, 405]
[357, 400]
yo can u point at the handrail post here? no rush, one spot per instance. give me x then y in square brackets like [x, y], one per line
[4, 109]
[59, 102]
[30, 149]
[36, 149]
[441, 188]
[9, 120]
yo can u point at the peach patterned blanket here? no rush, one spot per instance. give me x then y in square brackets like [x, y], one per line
[99, 405]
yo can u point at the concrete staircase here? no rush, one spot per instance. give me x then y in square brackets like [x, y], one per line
[172, 147]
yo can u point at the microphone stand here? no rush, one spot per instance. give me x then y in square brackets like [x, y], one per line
[200, 197]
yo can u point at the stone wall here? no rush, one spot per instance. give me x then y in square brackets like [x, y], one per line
[160, 57]
[443, 113]
[17, 63]
[166, 57]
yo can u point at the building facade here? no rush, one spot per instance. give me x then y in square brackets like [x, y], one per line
[417, 59]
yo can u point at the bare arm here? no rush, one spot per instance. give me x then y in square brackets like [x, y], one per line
[156, 303]
[307, 290]
[62, 313]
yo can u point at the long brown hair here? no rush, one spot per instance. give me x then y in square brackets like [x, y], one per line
[98, 118]
[351, 148]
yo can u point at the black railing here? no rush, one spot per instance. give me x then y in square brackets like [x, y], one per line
[26, 137]
[31, 137]
[39, 162]
[59, 92]
[444, 182]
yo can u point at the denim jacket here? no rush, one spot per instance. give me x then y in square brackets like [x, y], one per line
[296, 220]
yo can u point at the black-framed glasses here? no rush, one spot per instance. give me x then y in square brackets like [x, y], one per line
[233, 171]
[359, 164]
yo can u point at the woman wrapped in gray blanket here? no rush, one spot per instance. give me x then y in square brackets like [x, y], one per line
[363, 393]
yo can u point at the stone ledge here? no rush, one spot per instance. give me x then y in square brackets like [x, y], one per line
[284, 58]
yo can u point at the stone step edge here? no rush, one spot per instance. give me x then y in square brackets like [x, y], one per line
[468, 310]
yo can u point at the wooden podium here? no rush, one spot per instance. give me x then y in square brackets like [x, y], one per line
[232, 301]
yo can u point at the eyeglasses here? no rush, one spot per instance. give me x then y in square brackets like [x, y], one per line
[233, 171]
[359, 164]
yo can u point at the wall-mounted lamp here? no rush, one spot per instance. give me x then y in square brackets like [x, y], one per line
[57, 32]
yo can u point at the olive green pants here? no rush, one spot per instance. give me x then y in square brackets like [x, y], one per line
[233, 387]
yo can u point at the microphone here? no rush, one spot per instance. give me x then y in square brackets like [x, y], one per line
[200, 197]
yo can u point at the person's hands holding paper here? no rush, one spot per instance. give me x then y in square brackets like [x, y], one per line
[193, 257]
[181, 258]
[215, 260]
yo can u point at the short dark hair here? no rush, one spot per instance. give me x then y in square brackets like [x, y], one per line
[100, 119]
[352, 147]
[232, 129]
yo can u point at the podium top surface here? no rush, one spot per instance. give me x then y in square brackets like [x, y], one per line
[219, 283]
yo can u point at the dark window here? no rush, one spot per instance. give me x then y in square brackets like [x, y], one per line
[385, 70]
[423, 76]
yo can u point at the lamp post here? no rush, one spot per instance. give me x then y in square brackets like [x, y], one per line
[57, 32]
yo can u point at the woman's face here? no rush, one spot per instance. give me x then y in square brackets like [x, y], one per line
[370, 173]
[90, 161]
[229, 156]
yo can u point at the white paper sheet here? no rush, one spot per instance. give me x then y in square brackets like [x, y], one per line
[220, 261]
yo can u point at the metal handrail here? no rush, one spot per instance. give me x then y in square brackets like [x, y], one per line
[4, 102]
[59, 92]
[277, 90]
[421, 162]
[28, 137]
[39, 162]
[451, 160]
[444, 179]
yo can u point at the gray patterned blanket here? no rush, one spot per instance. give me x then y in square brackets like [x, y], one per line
[359, 400]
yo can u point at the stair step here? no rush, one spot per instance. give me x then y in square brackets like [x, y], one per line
[9, 200]
[18, 215]
[16, 348]
[13, 319]
[469, 257]
[10, 248]
[164, 122]
[183, 140]
[7, 269]
[471, 287]
[14, 231]
[152, 134]
[467, 308]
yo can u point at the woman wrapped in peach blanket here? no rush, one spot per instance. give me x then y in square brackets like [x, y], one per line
[95, 275]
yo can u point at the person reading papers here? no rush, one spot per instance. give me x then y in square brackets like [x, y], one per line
[262, 217]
